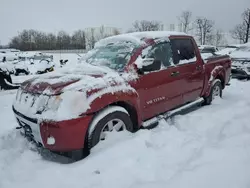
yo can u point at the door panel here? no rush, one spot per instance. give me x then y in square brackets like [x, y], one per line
[194, 81]
[191, 68]
[160, 91]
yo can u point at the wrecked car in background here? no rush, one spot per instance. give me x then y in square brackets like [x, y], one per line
[241, 62]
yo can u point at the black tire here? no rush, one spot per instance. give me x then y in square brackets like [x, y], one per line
[208, 100]
[95, 136]
[26, 72]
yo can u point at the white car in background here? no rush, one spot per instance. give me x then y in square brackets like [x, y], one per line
[227, 50]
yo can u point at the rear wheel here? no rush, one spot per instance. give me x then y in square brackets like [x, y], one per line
[216, 91]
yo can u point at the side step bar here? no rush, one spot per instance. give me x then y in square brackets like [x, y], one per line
[153, 122]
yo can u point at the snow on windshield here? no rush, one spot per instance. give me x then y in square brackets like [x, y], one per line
[114, 55]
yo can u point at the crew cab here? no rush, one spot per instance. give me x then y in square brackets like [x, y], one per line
[126, 82]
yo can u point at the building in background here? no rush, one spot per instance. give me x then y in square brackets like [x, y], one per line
[93, 34]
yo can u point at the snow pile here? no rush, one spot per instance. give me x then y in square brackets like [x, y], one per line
[206, 148]
[7, 67]
[185, 61]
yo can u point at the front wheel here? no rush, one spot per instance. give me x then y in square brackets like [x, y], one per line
[117, 120]
[216, 91]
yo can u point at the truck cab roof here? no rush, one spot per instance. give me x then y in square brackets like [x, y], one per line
[138, 38]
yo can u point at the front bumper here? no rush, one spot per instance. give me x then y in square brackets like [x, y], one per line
[61, 136]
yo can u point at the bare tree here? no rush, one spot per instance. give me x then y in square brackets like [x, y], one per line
[145, 25]
[241, 32]
[116, 32]
[102, 32]
[246, 23]
[238, 33]
[185, 20]
[204, 30]
[218, 37]
[91, 38]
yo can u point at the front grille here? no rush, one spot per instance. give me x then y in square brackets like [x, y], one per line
[35, 103]
[29, 127]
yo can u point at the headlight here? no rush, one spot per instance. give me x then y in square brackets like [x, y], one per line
[41, 103]
[54, 102]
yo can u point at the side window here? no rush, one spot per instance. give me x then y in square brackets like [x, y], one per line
[183, 51]
[162, 52]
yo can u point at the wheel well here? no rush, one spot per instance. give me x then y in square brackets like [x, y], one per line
[132, 112]
[220, 77]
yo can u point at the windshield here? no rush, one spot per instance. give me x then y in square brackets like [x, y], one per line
[113, 56]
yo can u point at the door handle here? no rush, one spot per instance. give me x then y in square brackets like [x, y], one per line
[175, 73]
[198, 67]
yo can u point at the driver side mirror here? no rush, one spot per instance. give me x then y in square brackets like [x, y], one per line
[150, 65]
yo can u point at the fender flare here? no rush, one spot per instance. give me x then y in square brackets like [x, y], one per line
[128, 99]
[217, 73]
[105, 97]
[104, 112]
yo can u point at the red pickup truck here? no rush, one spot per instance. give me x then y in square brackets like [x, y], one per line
[126, 82]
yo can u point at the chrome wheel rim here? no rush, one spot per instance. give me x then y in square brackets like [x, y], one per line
[216, 91]
[114, 125]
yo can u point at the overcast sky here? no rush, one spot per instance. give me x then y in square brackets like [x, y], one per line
[69, 15]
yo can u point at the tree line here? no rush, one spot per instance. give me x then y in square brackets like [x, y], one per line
[202, 27]
[37, 40]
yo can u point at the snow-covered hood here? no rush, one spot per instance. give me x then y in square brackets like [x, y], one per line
[49, 85]
[68, 94]
[84, 77]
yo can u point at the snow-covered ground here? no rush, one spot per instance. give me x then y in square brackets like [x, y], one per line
[207, 148]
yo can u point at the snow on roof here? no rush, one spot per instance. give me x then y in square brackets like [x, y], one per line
[137, 37]
[154, 34]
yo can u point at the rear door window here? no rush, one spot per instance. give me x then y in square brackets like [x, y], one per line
[183, 51]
